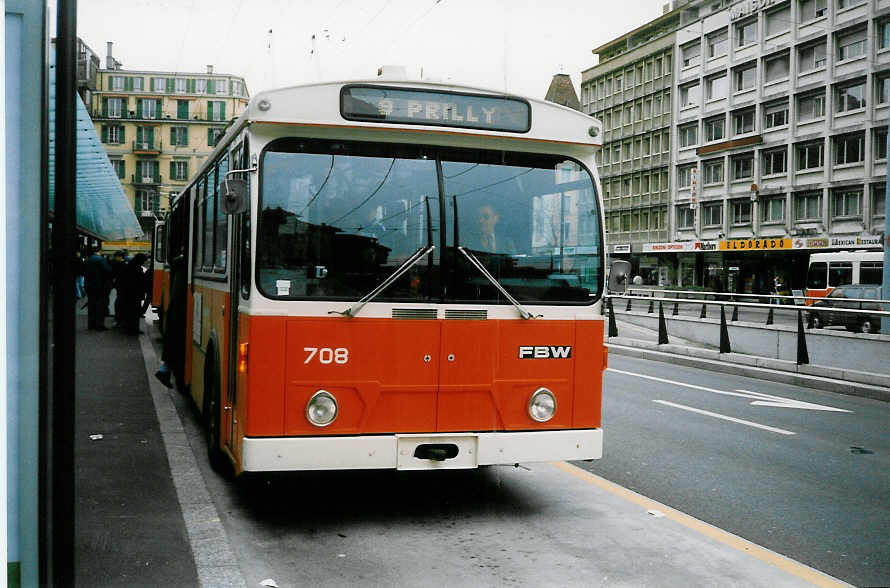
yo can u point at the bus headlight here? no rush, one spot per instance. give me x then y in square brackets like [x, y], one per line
[321, 410]
[542, 405]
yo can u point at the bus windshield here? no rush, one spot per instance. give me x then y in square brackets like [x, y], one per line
[337, 218]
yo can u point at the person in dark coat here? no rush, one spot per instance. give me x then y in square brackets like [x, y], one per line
[132, 288]
[97, 280]
[173, 352]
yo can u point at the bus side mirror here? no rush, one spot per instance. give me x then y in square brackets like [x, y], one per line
[233, 196]
[618, 272]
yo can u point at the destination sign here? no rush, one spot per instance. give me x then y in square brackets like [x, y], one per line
[383, 104]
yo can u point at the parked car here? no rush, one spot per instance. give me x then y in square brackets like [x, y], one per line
[858, 297]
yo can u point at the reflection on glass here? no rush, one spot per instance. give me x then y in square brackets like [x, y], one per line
[337, 218]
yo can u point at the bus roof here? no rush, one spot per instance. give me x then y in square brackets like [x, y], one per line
[320, 105]
[862, 255]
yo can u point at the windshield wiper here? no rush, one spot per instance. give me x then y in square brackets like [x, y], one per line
[478, 265]
[408, 264]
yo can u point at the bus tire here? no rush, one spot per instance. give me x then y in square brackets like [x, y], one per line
[212, 420]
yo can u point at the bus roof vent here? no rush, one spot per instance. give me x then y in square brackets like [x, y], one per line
[414, 313]
[466, 315]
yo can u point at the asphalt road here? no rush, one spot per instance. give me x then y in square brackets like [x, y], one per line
[804, 473]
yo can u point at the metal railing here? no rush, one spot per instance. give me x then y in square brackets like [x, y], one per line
[724, 300]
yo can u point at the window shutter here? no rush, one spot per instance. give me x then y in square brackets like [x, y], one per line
[231, 87]
[150, 136]
[172, 169]
[210, 137]
[211, 86]
[185, 135]
[158, 108]
[138, 201]
[190, 86]
[139, 134]
[156, 170]
[128, 83]
[151, 87]
[173, 136]
[121, 169]
[209, 110]
[182, 109]
[156, 202]
[171, 85]
[124, 107]
[105, 133]
[121, 133]
[105, 107]
[222, 111]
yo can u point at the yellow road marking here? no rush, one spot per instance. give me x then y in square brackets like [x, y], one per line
[780, 561]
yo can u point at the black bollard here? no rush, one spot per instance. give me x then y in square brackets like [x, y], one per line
[735, 313]
[662, 326]
[676, 309]
[802, 355]
[651, 307]
[629, 300]
[769, 316]
[613, 326]
[704, 311]
[724, 333]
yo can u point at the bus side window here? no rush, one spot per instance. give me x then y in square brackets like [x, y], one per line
[840, 273]
[870, 272]
[816, 276]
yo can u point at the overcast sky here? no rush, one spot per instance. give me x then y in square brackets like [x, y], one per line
[515, 45]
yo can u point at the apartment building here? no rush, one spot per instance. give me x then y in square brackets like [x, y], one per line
[779, 138]
[158, 127]
[630, 90]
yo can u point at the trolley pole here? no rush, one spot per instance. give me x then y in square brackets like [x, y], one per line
[885, 320]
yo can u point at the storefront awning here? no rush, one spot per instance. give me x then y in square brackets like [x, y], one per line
[103, 210]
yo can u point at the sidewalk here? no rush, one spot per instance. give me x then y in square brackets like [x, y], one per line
[129, 528]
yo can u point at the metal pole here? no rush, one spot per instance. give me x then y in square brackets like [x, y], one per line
[802, 355]
[60, 523]
[662, 326]
[724, 332]
[613, 326]
[885, 321]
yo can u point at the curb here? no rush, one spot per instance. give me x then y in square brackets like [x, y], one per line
[734, 367]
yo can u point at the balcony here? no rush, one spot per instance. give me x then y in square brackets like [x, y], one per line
[147, 147]
[148, 180]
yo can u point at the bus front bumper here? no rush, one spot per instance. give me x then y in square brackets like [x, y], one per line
[418, 451]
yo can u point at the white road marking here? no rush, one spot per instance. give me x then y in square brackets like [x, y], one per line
[725, 418]
[778, 401]
[759, 398]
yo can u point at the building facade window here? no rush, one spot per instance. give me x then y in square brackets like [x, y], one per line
[689, 95]
[149, 108]
[113, 134]
[772, 210]
[778, 21]
[743, 121]
[808, 206]
[811, 107]
[810, 156]
[715, 87]
[179, 170]
[811, 57]
[715, 129]
[880, 144]
[159, 84]
[685, 217]
[879, 200]
[146, 201]
[691, 54]
[849, 149]
[119, 167]
[115, 107]
[216, 110]
[200, 86]
[851, 45]
[712, 171]
[179, 136]
[213, 135]
[684, 176]
[116, 83]
[775, 162]
[842, 4]
[179, 85]
[182, 109]
[775, 115]
[744, 78]
[746, 33]
[812, 9]
[776, 68]
[884, 34]
[743, 167]
[741, 212]
[688, 135]
[846, 202]
[882, 90]
[712, 214]
[717, 44]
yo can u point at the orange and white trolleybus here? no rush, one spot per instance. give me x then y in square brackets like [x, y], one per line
[390, 274]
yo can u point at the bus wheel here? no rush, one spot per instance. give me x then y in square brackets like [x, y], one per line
[867, 326]
[817, 321]
[212, 420]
